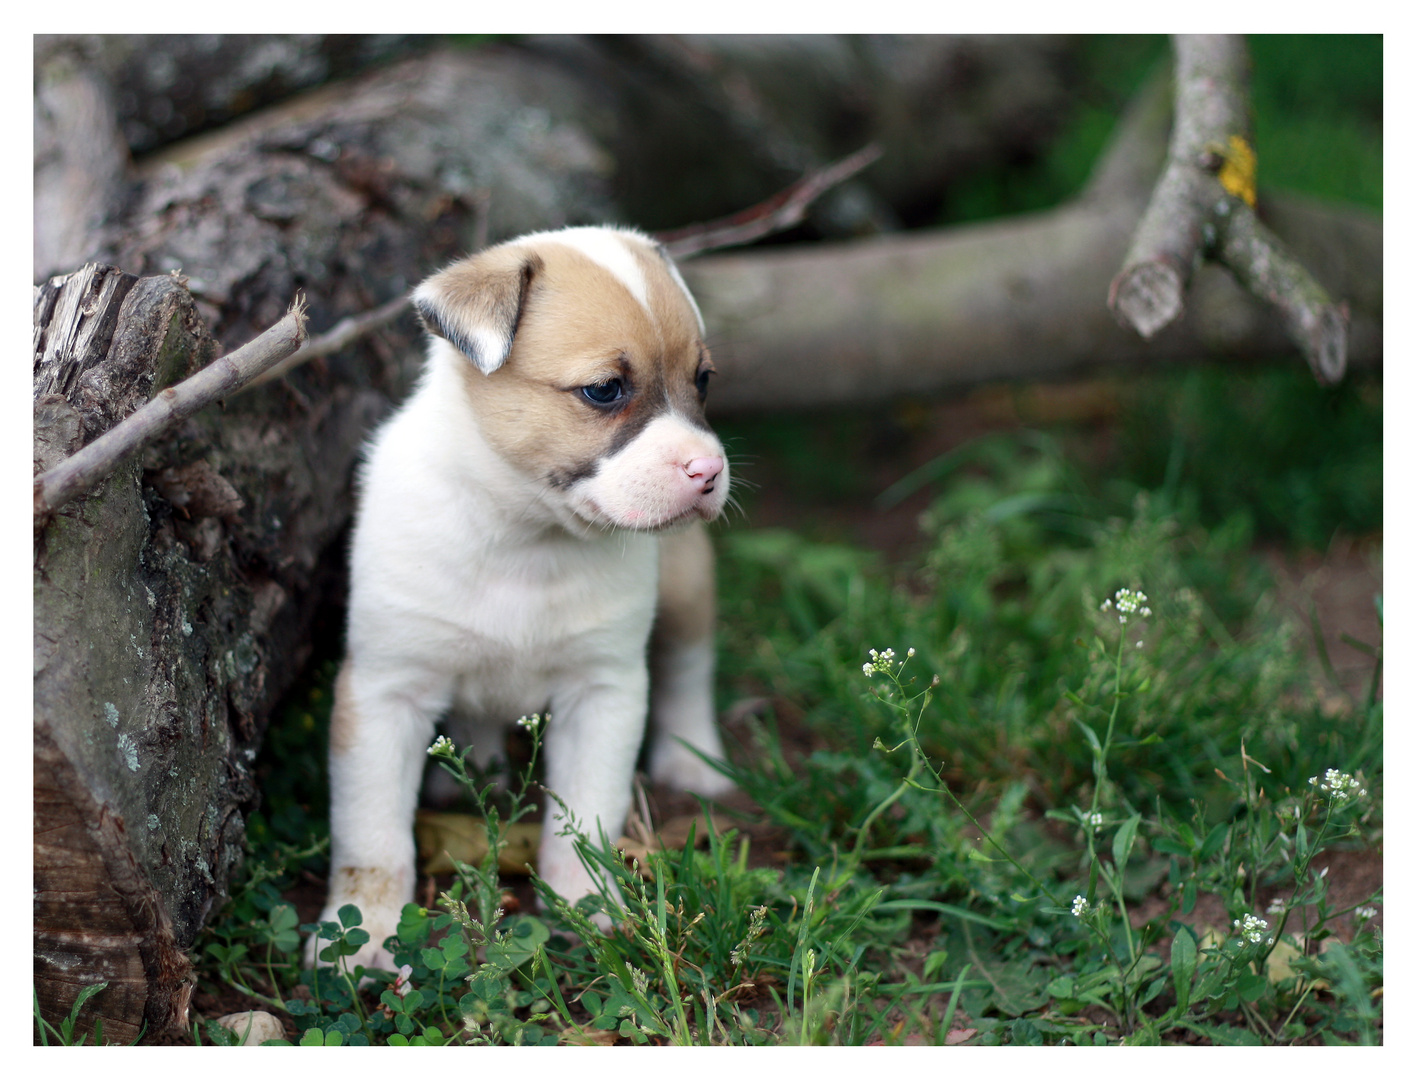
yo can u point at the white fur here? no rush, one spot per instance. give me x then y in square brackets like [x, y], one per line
[606, 247]
[473, 585]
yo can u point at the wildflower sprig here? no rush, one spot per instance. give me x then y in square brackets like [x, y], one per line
[1253, 930]
[883, 662]
[1122, 948]
[1127, 602]
[534, 722]
[897, 697]
[1338, 786]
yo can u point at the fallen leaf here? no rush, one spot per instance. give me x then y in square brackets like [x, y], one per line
[443, 837]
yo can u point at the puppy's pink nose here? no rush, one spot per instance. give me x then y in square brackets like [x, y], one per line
[704, 471]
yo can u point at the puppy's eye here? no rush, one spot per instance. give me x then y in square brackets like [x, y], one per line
[701, 381]
[608, 392]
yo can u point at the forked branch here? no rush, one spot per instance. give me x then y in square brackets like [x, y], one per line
[1203, 207]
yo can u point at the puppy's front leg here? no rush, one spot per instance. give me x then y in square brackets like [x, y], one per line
[591, 744]
[379, 734]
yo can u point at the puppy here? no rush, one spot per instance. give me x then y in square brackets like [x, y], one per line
[528, 514]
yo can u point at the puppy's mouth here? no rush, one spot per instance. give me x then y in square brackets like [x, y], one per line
[643, 521]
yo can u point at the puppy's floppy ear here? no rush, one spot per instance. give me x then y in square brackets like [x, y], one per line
[477, 303]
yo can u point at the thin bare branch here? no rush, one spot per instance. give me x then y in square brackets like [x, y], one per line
[343, 333]
[81, 472]
[784, 210]
[1260, 262]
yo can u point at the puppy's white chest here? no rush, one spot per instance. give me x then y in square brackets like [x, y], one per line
[566, 599]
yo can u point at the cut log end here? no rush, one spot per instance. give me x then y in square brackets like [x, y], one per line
[1325, 345]
[1147, 296]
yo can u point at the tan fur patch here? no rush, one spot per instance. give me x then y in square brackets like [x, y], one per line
[580, 325]
[368, 885]
[344, 721]
[686, 586]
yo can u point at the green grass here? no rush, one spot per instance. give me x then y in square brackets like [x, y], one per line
[940, 832]
[1059, 841]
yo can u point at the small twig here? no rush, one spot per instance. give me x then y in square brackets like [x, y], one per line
[784, 210]
[334, 339]
[1210, 107]
[81, 472]
[1263, 265]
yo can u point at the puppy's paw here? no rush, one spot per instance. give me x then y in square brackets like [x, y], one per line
[378, 917]
[675, 765]
[371, 955]
[561, 868]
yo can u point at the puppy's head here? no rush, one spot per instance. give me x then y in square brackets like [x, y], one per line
[587, 370]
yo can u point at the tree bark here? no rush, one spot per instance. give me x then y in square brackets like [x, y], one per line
[173, 603]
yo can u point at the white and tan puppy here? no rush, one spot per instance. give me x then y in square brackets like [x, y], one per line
[522, 518]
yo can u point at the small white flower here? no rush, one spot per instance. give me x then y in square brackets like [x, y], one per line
[442, 745]
[1252, 929]
[1127, 602]
[1338, 786]
[880, 661]
[1275, 906]
[1363, 914]
[1094, 820]
[532, 722]
[1080, 906]
[402, 985]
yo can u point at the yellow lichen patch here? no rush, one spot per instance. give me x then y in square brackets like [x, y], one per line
[1237, 174]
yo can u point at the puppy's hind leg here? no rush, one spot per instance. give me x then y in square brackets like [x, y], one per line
[682, 667]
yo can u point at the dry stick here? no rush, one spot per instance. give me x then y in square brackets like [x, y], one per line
[1210, 107]
[782, 211]
[81, 472]
[1260, 262]
[1204, 204]
[334, 339]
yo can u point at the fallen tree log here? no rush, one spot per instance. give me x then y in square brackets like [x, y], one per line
[939, 310]
[1025, 298]
[174, 602]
